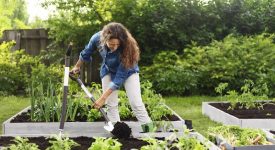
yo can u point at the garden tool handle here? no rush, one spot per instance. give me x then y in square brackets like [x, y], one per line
[65, 87]
[69, 49]
[78, 80]
[101, 110]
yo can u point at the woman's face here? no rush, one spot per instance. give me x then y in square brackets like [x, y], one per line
[113, 44]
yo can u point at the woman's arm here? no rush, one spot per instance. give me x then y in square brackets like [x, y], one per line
[101, 101]
[76, 68]
[85, 54]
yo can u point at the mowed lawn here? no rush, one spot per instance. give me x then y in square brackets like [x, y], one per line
[189, 108]
[11, 105]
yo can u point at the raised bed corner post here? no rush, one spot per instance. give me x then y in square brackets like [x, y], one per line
[65, 87]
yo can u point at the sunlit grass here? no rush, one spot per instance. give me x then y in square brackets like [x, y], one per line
[189, 108]
[11, 105]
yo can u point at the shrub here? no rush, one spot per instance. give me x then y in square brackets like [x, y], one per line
[11, 77]
[201, 68]
[233, 60]
[168, 75]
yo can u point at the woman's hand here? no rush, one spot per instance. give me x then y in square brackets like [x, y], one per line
[75, 70]
[77, 66]
[99, 103]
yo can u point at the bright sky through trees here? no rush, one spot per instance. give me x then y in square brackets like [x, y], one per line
[36, 10]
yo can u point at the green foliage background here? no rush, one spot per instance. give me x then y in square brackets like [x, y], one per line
[188, 46]
[162, 24]
[201, 68]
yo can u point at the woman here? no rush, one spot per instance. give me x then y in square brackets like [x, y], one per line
[120, 53]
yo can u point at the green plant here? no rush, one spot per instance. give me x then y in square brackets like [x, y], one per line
[72, 108]
[103, 143]
[93, 115]
[164, 126]
[248, 98]
[220, 89]
[168, 75]
[124, 112]
[59, 142]
[22, 144]
[44, 103]
[155, 144]
[11, 76]
[237, 136]
[159, 111]
[186, 143]
[154, 102]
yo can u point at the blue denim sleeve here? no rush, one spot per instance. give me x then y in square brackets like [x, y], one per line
[85, 54]
[120, 77]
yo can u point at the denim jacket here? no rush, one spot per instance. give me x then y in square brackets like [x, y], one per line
[111, 63]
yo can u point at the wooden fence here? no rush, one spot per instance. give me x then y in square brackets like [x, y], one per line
[35, 40]
[32, 40]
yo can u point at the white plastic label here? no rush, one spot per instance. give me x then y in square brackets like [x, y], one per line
[66, 76]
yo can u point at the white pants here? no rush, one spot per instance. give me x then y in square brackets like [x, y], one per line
[132, 87]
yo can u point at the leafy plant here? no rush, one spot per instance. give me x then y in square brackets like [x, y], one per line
[248, 98]
[169, 76]
[155, 144]
[174, 141]
[220, 89]
[159, 112]
[22, 144]
[163, 126]
[59, 142]
[154, 102]
[11, 77]
[183, 143]
[124, 112]
[93, 115]
[232, 60]
[103, 143]
[237, 136]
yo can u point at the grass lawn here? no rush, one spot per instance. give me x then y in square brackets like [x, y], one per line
[11, 105]
[189, 108]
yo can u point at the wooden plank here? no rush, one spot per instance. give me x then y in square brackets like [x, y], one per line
[34, 37]
[17, 40]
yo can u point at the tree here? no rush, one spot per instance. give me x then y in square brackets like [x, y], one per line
[13, 14]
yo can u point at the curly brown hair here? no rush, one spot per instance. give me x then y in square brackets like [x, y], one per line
[130, 54]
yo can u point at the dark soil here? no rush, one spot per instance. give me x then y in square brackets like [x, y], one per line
[268, 111]
[25, 117]
[85, 142]
[121, 130]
